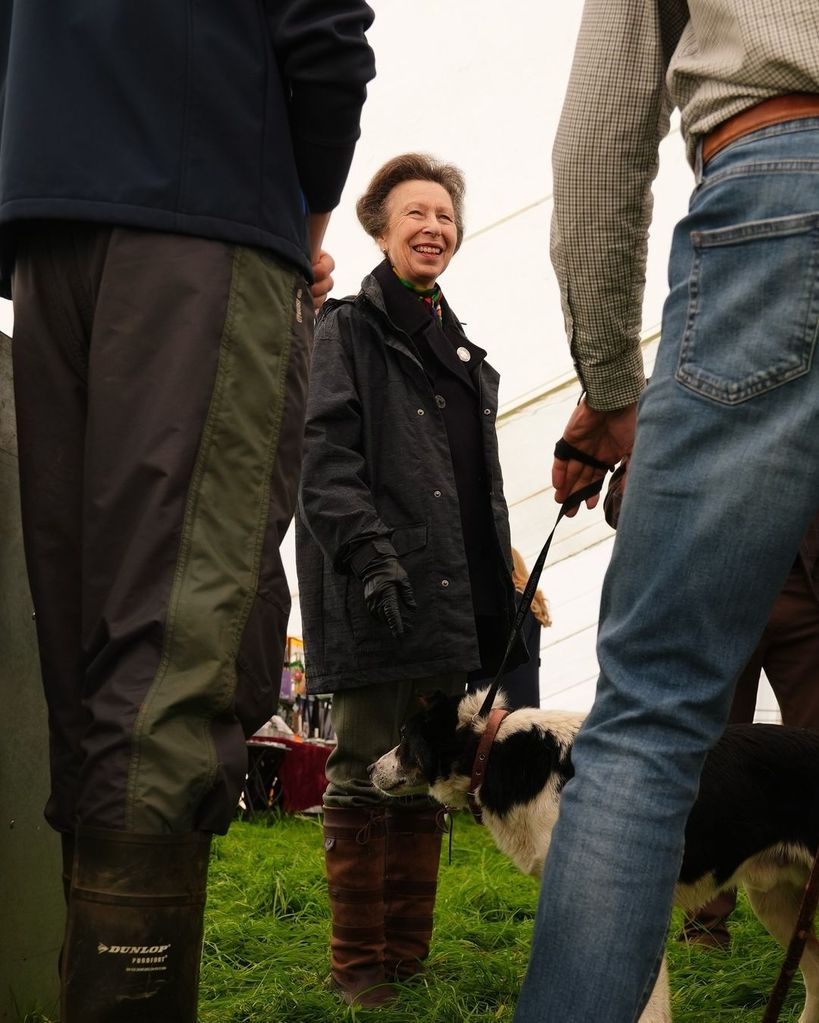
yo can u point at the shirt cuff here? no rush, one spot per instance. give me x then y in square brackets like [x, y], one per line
[613, 385]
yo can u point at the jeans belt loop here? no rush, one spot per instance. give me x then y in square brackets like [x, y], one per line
[788, 107]
[698, 164]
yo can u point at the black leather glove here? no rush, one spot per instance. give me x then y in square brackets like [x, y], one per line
[385, 584]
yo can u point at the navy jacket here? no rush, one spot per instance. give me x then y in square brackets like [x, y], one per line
[378, 477]
[227, 119]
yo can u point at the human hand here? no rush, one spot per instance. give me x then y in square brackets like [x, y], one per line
[607, 436]
[323, 268]
[385, 581]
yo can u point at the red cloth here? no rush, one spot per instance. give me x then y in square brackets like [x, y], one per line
[302, 773]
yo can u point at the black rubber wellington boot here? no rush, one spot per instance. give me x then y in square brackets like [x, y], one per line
[134, 934]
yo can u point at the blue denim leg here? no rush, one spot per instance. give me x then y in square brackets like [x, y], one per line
[722, 484]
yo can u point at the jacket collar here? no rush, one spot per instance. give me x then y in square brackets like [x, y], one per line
[404, 310]
[402, 307]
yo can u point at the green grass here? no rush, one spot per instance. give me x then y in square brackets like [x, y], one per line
[267, 930]
[266, 955]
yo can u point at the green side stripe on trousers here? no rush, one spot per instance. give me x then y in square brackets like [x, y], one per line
[173, 761]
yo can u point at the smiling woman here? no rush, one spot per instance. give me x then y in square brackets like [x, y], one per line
[404, 557]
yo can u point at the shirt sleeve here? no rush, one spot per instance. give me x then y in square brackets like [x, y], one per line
[326, 63]
[605, 157]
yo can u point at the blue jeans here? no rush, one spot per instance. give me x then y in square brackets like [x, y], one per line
[723, 482]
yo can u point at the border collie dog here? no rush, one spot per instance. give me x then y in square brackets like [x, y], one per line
[755, 821]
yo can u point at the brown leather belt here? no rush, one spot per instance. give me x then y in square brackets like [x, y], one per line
[789, 107]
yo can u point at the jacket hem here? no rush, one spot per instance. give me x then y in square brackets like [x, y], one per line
[151, 218]
[324, 684]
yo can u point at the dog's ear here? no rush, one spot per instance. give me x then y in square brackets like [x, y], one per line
[431, 734]
[430, 765]
[426, 758]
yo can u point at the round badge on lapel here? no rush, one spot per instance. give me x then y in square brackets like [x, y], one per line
[463, 354]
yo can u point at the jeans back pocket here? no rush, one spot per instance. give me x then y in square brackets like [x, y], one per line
[753, 308]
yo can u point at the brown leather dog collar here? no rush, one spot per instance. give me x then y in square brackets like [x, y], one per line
[481, 761]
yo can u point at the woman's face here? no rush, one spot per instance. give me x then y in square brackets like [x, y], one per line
[421, 234]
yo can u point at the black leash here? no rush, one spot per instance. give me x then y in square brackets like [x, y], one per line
[565, 451]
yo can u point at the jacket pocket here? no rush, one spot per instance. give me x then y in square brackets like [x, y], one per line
[406, 539]
[753, 308]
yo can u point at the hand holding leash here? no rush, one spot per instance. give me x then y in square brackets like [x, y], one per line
[604, 438]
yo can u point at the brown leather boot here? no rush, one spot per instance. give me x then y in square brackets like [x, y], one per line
[413, 854]
[354, 849]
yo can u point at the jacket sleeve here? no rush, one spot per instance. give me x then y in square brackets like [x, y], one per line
[326, 62]
[335, 500]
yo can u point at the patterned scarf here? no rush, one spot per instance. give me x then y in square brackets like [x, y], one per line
[431, 297]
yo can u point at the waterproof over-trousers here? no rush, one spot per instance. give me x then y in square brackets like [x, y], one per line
[160, 383]
[159, 386]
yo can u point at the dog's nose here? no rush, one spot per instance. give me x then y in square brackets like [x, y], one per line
[370, 770]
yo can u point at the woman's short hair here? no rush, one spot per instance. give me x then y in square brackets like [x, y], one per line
[372, 206]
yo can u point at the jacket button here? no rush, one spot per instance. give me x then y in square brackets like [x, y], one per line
[420, 411]
[440, 401]
[487, 411]
[445, 583]
[436, 493]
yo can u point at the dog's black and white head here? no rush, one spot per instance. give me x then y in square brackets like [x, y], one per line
[438, 746]
[435, 752]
